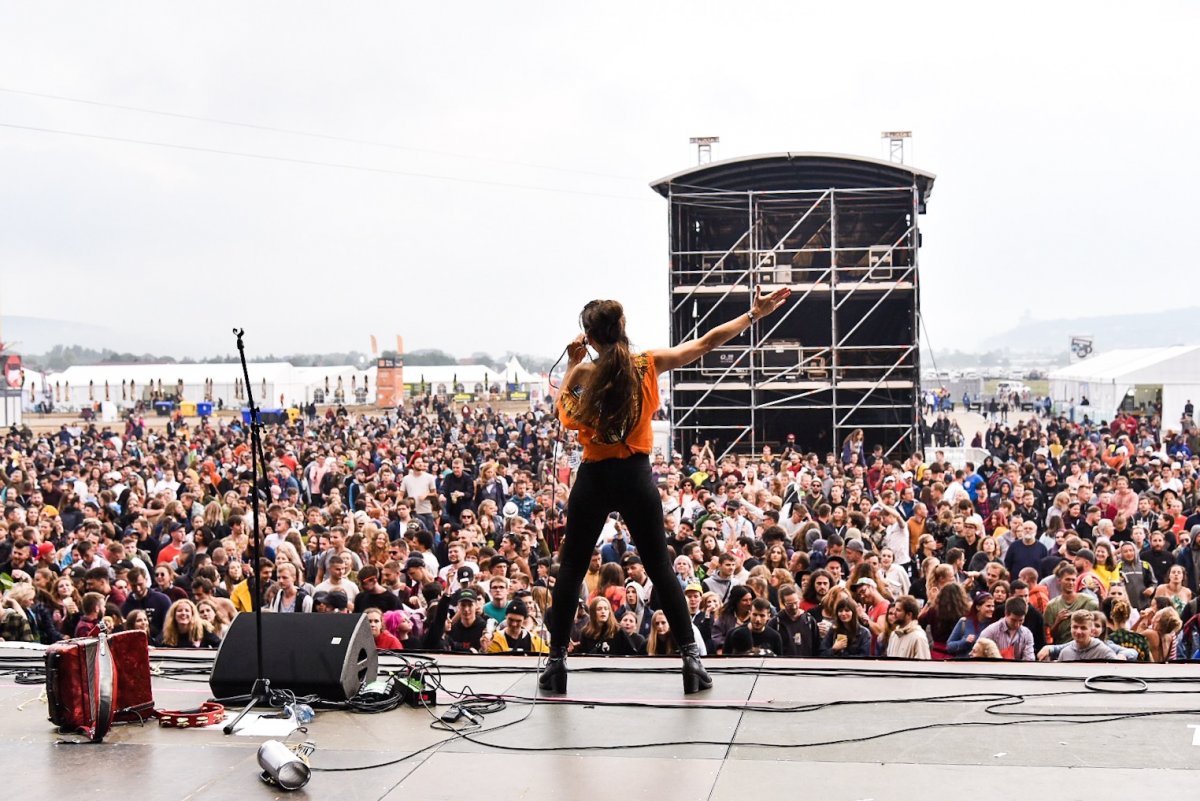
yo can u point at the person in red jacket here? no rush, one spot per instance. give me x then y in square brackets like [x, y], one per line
[384, 639]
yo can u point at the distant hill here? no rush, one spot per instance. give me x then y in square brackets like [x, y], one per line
[38, 334]
[1145, 330]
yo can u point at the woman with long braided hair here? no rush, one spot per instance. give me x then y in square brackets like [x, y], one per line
[611, 402]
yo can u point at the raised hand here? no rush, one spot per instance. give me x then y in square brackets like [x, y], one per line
[766, 304]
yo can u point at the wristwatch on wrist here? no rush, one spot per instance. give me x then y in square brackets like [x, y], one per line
[750, 314]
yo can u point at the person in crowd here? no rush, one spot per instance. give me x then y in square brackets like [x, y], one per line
[906, 640]
[734, 612]
[969, 627]
[847, 636]
[184, 628]
[384, 639]
[467, 628]
[948, 605]
[1083, 645]
[138, 620]
[756, 637]
[1009, 635]
[1122, 636]
[89, 620]
[1174, 589]
[289, 595]
[798, 630]
[1070, 600]
[213, 616]
[602, 635]
[183, 516]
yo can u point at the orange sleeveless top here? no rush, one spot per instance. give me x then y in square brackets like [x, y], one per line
[639, 439]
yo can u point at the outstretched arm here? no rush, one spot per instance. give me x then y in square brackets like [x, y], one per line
[687, 352]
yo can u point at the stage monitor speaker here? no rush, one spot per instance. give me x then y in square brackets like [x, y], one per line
[324, 654]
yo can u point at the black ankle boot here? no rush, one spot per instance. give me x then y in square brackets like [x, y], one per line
[695, 677]
[554, 677]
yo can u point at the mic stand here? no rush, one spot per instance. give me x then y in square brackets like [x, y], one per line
[260, 693]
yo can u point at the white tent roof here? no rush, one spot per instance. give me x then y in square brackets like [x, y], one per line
[1174, 364]
[80, 374]
[468, 373]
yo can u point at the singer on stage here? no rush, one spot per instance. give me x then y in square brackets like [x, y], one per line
[611, 402]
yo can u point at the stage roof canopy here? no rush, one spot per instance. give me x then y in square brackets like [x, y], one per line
[792, 171]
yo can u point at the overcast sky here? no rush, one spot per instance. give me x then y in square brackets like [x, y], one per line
[1064, 137]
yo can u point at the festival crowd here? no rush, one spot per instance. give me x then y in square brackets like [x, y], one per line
[440, 523]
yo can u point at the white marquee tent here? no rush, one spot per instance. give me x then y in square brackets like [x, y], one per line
[1135, 377]
[443, 376]
[273, 383]
[78, 385]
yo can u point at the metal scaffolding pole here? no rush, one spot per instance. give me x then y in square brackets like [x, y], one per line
[916, 441]
[863, 231]
[834, 353]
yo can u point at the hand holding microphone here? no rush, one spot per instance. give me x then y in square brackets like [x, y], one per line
[577, 350]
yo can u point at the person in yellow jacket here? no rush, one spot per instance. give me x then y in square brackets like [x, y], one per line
[514, 638]
[240, 594]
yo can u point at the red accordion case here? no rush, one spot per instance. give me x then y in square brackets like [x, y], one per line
[76, 683]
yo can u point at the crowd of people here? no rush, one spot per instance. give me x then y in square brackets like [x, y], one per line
[441, 524]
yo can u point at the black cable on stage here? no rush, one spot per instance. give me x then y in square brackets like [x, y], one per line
[1139, 685]
[1006, 706]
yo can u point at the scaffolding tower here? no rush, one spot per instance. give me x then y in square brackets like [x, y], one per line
[843, 353]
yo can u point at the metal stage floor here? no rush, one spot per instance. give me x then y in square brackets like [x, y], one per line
[690, 750]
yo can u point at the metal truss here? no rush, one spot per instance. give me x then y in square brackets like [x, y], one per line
[850, 256]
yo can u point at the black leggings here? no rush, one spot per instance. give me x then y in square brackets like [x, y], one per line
[625, 486]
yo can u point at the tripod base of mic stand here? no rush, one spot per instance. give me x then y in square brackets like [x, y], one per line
[260, 695]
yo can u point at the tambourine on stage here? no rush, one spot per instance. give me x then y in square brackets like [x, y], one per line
[770, 728]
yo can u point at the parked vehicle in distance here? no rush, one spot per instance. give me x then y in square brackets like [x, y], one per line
[1009, 387]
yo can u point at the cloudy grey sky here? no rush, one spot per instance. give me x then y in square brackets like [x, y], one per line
[505, 152]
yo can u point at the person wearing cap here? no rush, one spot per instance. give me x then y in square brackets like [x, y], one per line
[736, 525]
[514, 637]
[328, 602]
[968, 539]
[611, 403]
[457, 567]
[1088, 579]
[418, 572]
[170, 551]
[854, 552]
[468, 627]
